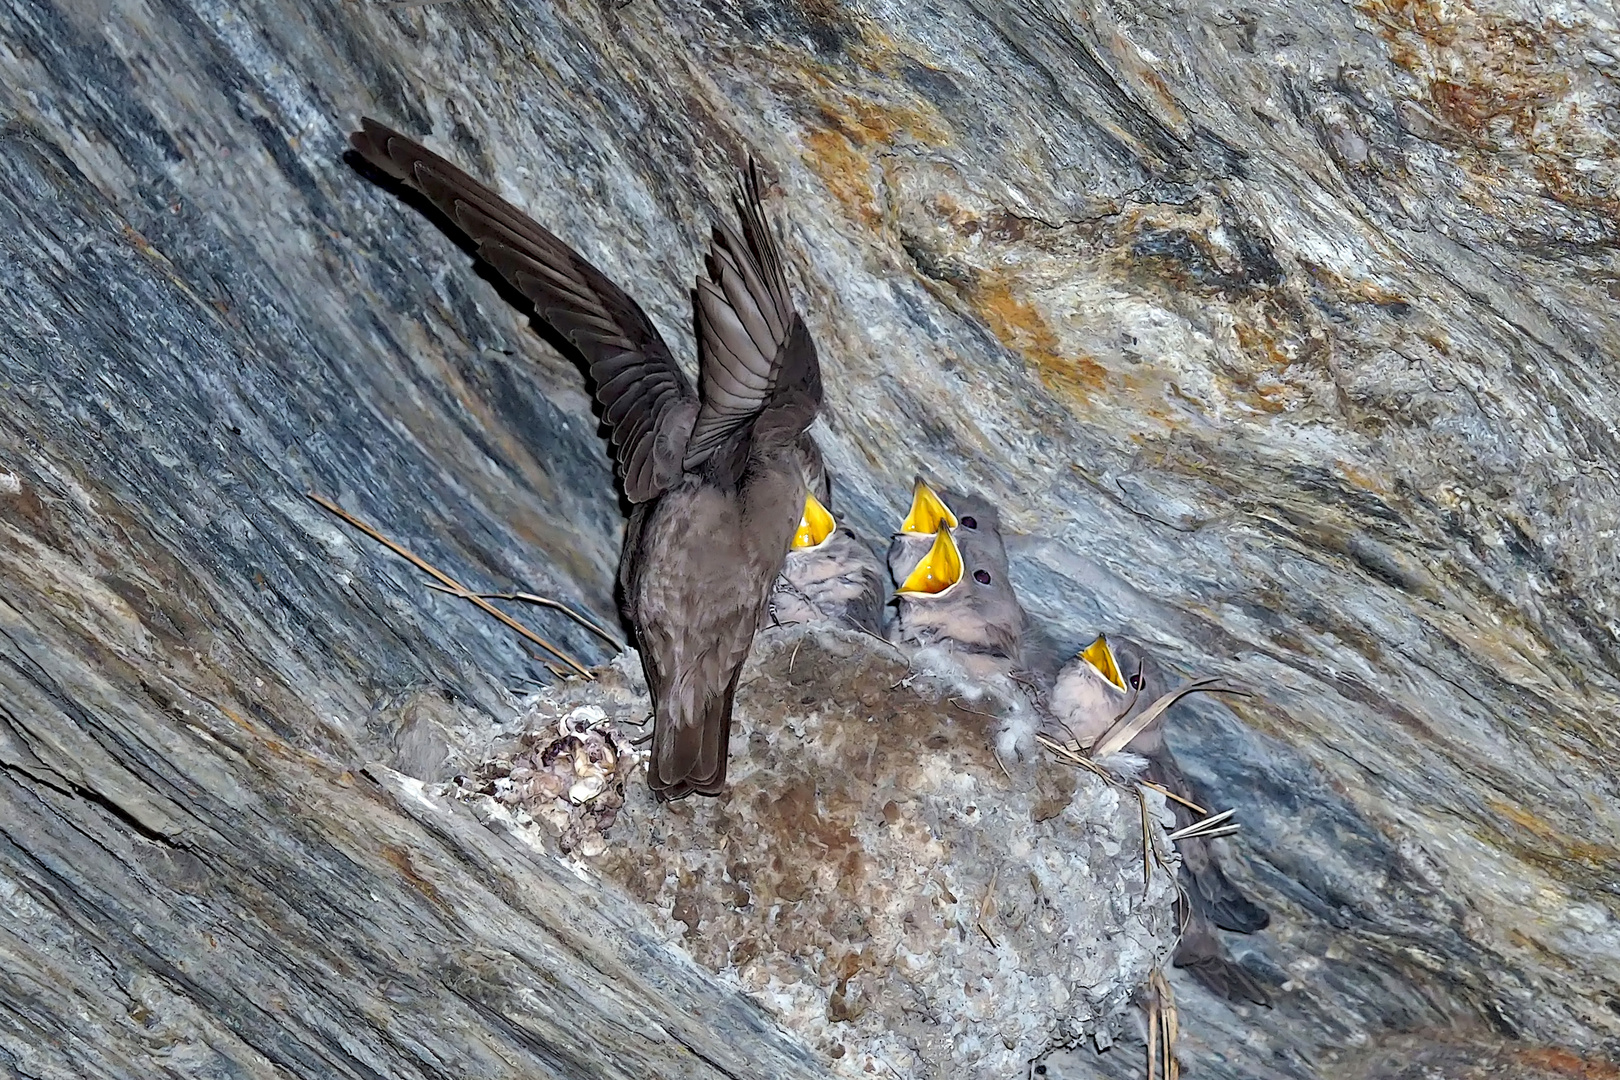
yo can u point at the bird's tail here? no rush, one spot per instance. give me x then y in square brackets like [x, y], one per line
[689, 752]
[1224, 903]
[1210, 891]
[1200, 954]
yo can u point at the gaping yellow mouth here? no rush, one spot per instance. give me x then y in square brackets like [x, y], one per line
[939, 570]
[815, 526]
[928, 512]
[1101, 656]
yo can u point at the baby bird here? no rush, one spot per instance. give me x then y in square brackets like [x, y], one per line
[829, 575]
[1097, 688]
[953, 585]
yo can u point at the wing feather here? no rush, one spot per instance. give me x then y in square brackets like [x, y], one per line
[754, 352]
[638, 381]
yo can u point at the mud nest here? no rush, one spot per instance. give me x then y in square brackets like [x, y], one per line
[874, 876]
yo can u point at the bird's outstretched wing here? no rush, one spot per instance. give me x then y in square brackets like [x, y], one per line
[648, 403]
[755, 354]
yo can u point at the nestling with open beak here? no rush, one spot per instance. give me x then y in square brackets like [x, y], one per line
[1106, 682]
[925, 517]
[829, 575]
[717, 482]
[956, 608]
[954, 590]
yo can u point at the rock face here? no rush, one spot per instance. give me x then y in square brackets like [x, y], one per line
[1285, 332]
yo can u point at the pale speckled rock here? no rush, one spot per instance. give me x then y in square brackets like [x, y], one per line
[1285, 330]
[896, 896]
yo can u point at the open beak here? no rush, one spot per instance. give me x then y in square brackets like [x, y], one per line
[1101, 656]
[928, 512]
[939, 570]
[815, 526]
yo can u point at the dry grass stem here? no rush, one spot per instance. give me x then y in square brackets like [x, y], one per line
[1117, 737]
[1212, 826]
[452, 584]
[1167, 793]
[1147, 846]
[544, 601]
[987, 908]
[1164, 1028]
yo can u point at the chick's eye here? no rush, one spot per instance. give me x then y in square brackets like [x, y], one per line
[1137, 681]
[982, 576]
[970, 523]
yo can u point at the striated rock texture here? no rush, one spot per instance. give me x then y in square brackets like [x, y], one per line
[1285, 331]
[877, 878]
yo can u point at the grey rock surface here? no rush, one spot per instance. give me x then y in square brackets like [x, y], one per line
[1285, 332]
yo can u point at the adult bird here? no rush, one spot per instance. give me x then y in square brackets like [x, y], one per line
[716, 483]
[1107, 681]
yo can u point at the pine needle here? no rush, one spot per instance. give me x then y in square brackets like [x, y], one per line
[1117, 737]
[987, 908]
[1207, 827]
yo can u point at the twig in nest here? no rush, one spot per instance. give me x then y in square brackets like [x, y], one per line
[543, 601]
[1167, 793]
[1153, 1039]
[1211, 826]
[976, 712]
[455, 586]
[1147, 846]
[1002, 765]
[1120, 735]
[1070, 756]
[894, 649]
[987, 908]
[556, 672]
[1163, 1028]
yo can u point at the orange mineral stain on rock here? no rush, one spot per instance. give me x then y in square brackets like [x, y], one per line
[869, 122]
[402, 861]
[1361, 478]
[846, 173]
[1017, 324]
[1354, 290]
[1261, 385]
[1504, 86]
[1262, 346]
[842, 150]
[1565, 1063]
[1555, 846]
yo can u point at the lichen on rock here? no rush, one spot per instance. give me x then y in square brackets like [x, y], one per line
[875, 876]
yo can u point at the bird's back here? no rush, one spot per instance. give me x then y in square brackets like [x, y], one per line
[837, 582]
[697, 588]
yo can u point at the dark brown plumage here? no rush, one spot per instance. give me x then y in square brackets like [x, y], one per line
[717, 483]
